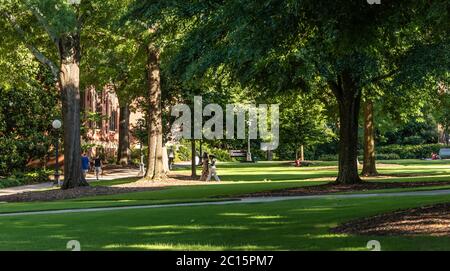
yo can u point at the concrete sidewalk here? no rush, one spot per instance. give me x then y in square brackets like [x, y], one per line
[111, 174]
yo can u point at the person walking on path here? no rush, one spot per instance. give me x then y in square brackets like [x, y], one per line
[85, 164]
[98, 166]
[212, 169]
[171, 158]
[205, 167]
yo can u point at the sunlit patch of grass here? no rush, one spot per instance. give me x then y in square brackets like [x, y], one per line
[287, 225]
[194, 227]
[234, 214]
[266, 217]
[165, 246]
[246, 178]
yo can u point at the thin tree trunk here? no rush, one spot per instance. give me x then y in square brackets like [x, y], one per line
[124, 135]
[369, 167]
[193, 164]
[155, 169]
[349, 99]
[69, 80]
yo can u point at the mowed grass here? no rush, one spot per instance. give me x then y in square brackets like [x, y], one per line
[287, 225]
[284, 171]
[173, 194]
[248, 178]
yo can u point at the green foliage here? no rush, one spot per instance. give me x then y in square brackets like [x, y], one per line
[114, 54]
[183, 151]
[411, 151]
[395, 152]
[386, 156]
[136, 155]
[20, 178]
[25, 126]
[413, 132]
[220, 154]
[328, 157]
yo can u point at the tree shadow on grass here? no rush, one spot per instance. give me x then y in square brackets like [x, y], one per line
[288, 225]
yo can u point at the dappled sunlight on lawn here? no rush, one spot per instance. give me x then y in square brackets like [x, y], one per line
[188, 247]
[287, 225]
[195, 227]
[266, 217]
[234, 214]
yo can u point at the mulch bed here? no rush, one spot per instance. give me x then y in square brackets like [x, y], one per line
[330, 188]
[433, 220]
[58, 194]
[137, 186]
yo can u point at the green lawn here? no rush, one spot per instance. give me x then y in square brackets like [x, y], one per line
[247, 178]
[287, 225]
[175, 194]
[293, 224]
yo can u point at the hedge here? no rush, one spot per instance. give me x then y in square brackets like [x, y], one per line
[411, 151]
[25, 178]
[394, 152]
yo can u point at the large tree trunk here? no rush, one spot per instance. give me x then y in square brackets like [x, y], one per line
[349, 98]
[124, 135]
[369, 167]
[69, 80]
[155, 169]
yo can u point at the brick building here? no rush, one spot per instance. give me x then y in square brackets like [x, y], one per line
[103, 133]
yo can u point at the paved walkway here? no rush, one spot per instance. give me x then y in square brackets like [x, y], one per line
[236, 201]
[111, 174]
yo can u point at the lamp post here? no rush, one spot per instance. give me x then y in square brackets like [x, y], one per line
[249, 153]
[57, 125]
[141, 164]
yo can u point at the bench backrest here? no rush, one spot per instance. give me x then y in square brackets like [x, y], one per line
[238, 153]
[444, 152]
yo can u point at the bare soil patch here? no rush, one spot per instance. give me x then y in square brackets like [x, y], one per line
[433, 220]
[331, 188]
[137, 186]
[172, 180]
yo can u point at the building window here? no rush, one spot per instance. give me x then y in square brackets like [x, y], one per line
[98, 111]
[113, 120]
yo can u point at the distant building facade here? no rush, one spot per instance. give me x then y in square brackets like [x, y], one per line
[103, 132]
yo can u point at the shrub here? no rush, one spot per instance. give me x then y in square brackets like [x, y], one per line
[24, 178]
[136, 155]
[25, 130]
[387, 156]
[411, 151]
[394, 152]
[221, 155]
[328, 157]
[381, 156]
[413, 140]
[182, 154]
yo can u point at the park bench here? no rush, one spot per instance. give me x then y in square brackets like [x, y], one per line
[444, 153]
[242, 153]
[238, 153]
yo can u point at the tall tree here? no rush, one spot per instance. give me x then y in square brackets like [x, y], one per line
[155, 169]
[114, 57]
[152, 44]
[369, 164]
[61, 22]
[344, 46]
